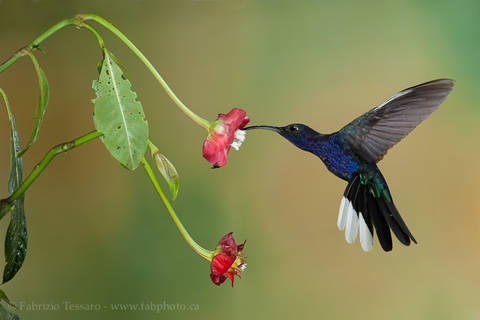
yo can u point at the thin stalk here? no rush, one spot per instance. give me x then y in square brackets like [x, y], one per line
[50, 31]
[199, 120]
[101, 43]
[52, 153]
[36, 42]
[204, 253]
[78, 20]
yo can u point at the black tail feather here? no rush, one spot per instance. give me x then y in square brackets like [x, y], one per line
[381, 226]
[398, 219]
[351, 188]
[379, 213]
[397, 230]
[363, 207]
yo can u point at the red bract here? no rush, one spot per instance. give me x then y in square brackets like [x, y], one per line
[224, 134]
[227, 261]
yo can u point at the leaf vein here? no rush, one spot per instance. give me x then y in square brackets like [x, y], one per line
[114, 83]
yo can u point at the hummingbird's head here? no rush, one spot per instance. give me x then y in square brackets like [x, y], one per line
[299, 134]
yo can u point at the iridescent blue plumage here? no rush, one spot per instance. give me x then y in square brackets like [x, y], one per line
[336, 156]
[352, 153]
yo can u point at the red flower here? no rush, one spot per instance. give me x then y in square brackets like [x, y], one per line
[224, 134]
[227, 261]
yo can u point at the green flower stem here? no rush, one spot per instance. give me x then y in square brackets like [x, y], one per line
[199, 120]
[7, 64]
[204, 253]
[77, 21]
[52, 153]
[101, 43]
[35, 43]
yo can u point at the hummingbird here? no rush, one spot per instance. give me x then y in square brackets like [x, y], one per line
[352, 154]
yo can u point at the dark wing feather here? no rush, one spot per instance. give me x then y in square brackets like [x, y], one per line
[373, 133]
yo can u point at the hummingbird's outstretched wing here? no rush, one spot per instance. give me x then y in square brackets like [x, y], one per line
[373, 133]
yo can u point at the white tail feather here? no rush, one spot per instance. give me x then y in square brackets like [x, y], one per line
[366, 237]
[351, 229]
[342, 214]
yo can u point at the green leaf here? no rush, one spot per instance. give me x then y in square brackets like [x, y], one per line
[7, 315]
[121, 65]
[16, 239]
[42, 102]
[119, 116]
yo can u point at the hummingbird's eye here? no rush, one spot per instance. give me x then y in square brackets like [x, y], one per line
[292, 128]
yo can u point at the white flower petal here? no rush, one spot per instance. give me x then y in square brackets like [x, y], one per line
[238, 139]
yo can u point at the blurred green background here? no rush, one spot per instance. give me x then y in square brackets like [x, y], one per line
[98, 234]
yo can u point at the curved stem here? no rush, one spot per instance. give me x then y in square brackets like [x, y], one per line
[199, 120]
[204, 253]
[77, 21]
[52, 153]
[56, 27]
[35, 43]
[101, 43]
[7, 64]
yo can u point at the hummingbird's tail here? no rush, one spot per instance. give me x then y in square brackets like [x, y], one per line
[367, 204]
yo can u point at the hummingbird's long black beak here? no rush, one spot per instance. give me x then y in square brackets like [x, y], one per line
[276, 129]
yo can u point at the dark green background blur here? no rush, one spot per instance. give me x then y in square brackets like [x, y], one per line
[98, 234]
